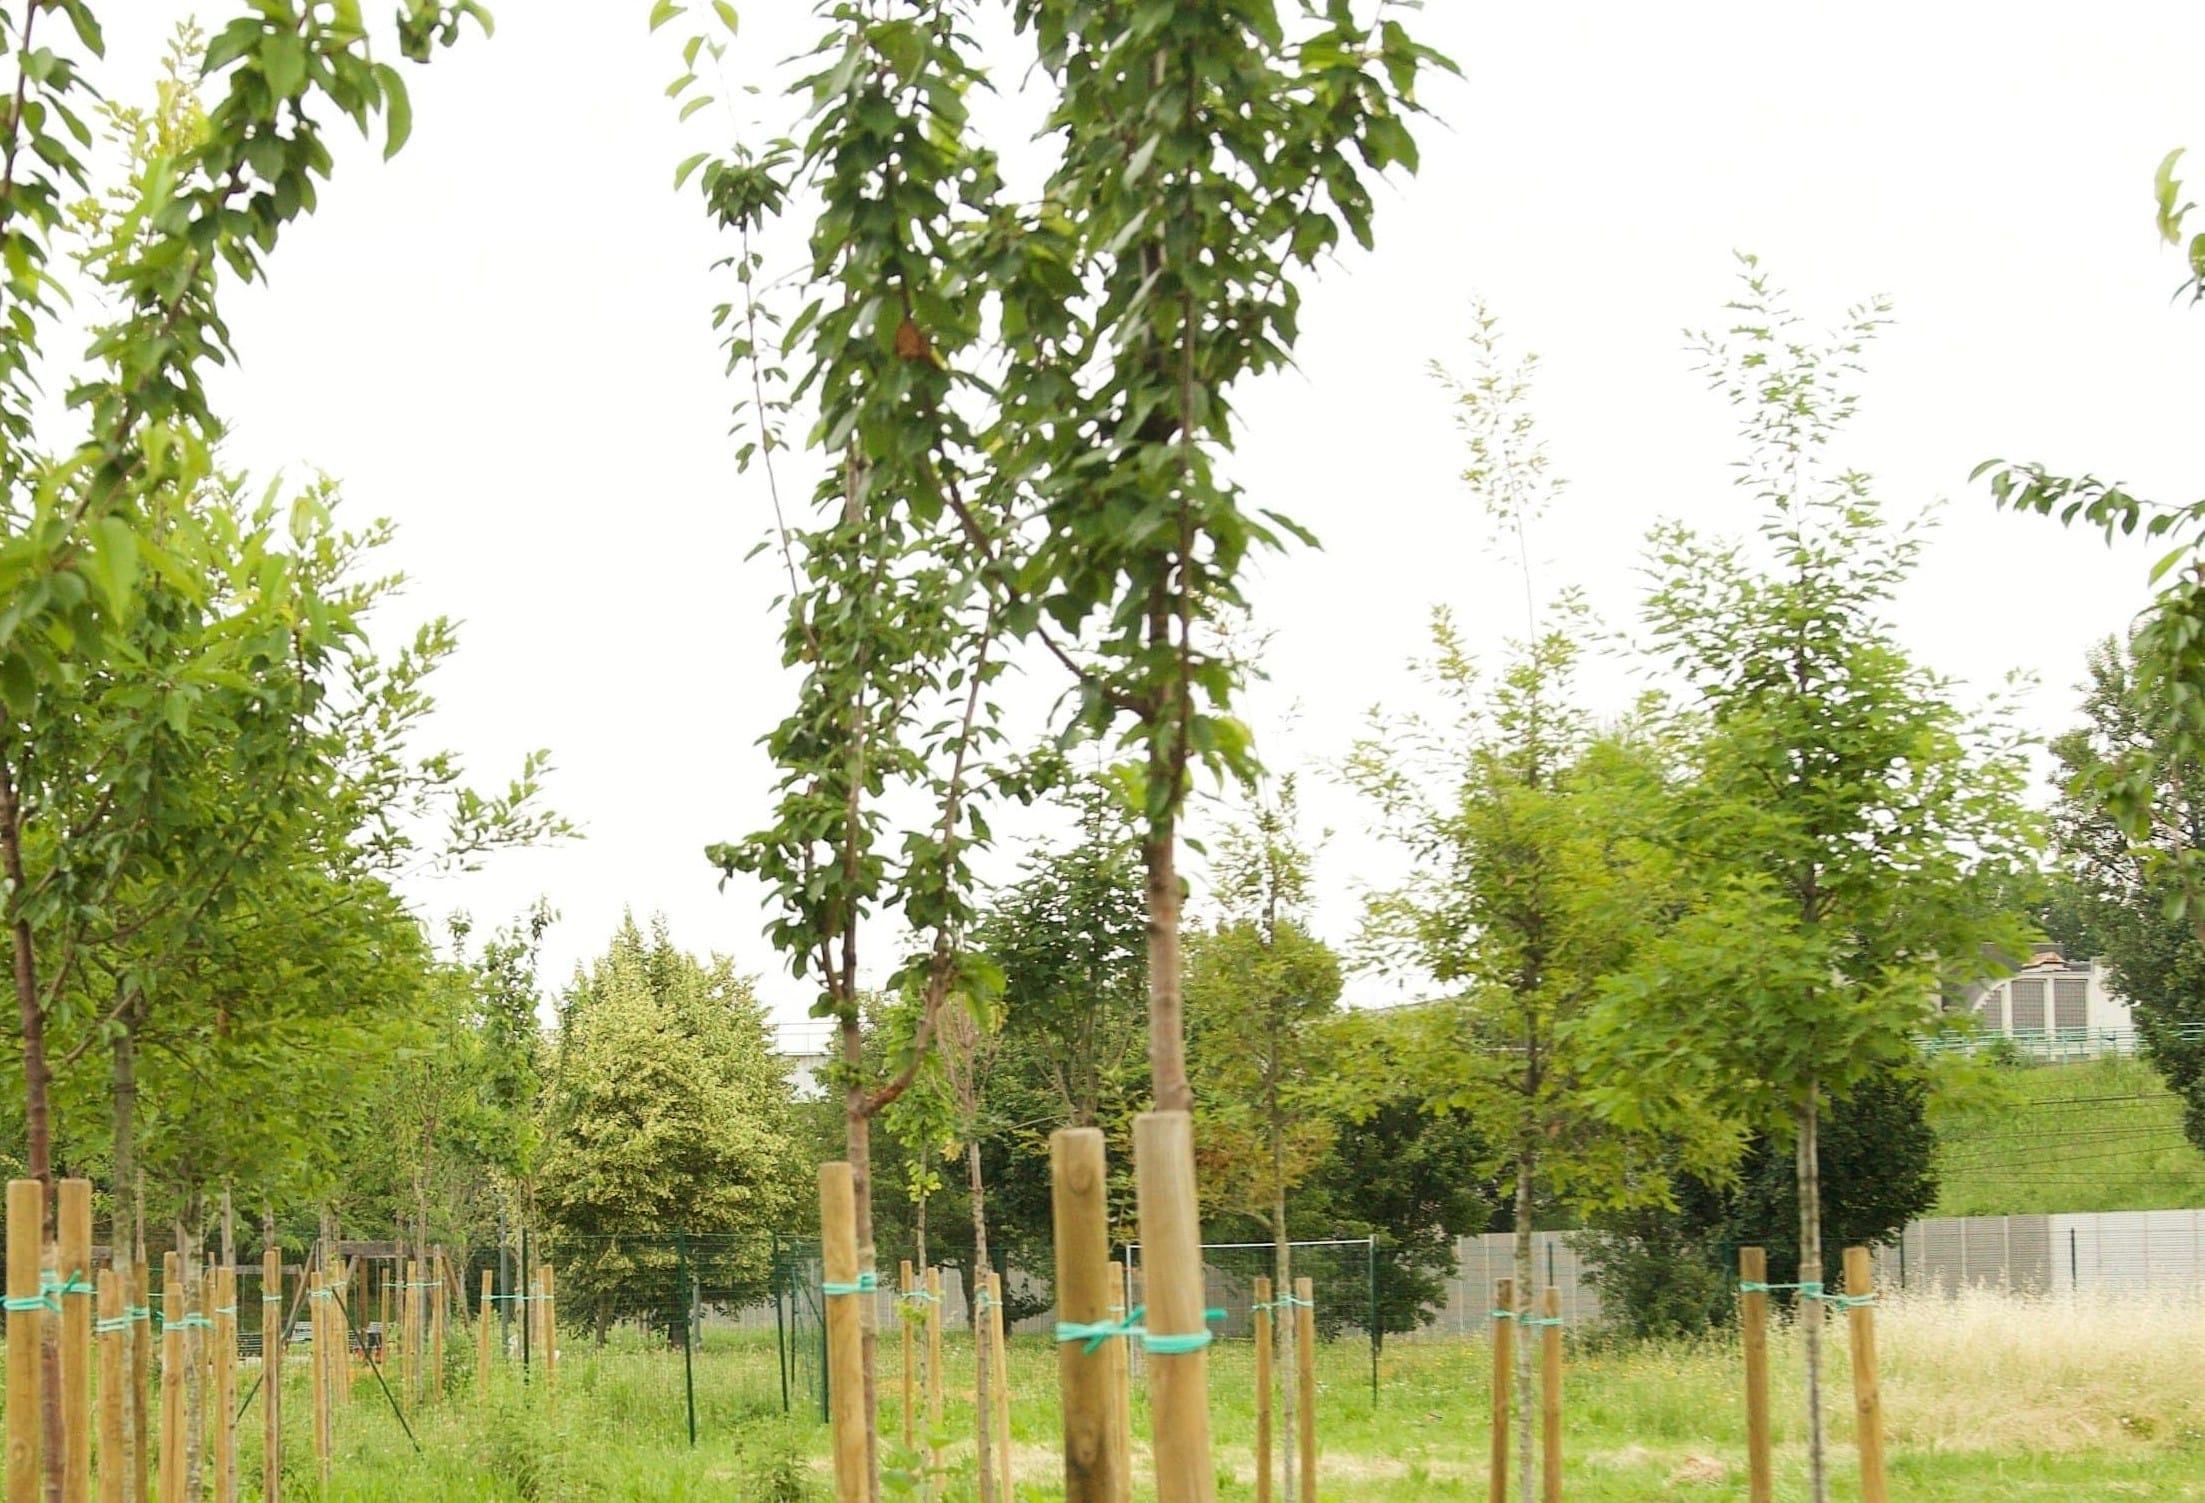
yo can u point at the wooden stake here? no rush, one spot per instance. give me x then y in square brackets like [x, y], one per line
[317, 1297]
[225, 1384]
[1504, 1351]
[439, 1292]
[271, 1374]
[1860, 1285]
[409, 1326]
[1263, 1389]
[141, 1376]
[114, 1357]
[348, 1376]
[910, 1356]
[1171, 1246]
[1121, 1386]
[1305, 1358]
[75, 1249]
[934, 1363]
[551, 1336]
[845, 1359]
[1081, 1221]
[26, 1228]
[1002, 1393]
[482, 1340]
[1550, 1393]
[1753, 1335]
[172, 1378]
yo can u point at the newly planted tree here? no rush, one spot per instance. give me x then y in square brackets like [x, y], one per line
[1847, 832]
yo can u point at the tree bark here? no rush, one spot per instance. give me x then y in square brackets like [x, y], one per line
[1167, 1041]
[1283, 1329]
[858, 1135]
[981, 1390]
[1526, 1302]
[1810, 1273]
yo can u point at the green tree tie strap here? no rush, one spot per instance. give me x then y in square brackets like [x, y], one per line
[919, 1297]
[107, 1325]
[74, 1284]
[1094, 1334]
[225, 1309]
[1810, 1289]
[145, 1312]
[1179, 1345]
[867, 1283]
[24, 1304]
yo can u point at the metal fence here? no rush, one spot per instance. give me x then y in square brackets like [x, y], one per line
[2129, 1252]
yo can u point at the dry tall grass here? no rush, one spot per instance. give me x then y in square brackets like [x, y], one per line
[1987, 1371]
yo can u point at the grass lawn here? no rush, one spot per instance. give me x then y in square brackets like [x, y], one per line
[2101, 1135]
[1985, 1398]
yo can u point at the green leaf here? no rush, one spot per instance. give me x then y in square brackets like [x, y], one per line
[664, 11]
[398, 110]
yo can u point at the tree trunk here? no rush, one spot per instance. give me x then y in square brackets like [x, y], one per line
[1283, 1325]
[1526, 1302]
[1810, 1274]
[981, 1389]
[125, 1218]
[602, 1319]
[195, 1397]
[919, 1220]
[1167, 1041]
[858, 1133]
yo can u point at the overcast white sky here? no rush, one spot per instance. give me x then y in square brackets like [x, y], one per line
[501, 341]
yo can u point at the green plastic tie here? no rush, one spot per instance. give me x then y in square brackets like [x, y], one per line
[225, 1309]
[1810, 1289]
[73, 1284]
[140, 1312]
[107, 1325]
[1095, 1333]
[919, 1297]
[1180, 1344]
[24, 1304]
[867, 1283]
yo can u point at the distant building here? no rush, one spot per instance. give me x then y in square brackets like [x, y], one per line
[2055, 1005]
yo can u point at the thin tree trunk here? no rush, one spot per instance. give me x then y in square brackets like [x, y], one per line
[195, 1398]
[1526, 1301]
[981, 1389]
[1810, 1308]
[1283, 1325]
[1167, 1042]
[125, 1220]
[858, 1132]
[919, 1228]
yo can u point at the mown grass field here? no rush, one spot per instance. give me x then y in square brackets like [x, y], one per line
[1986, 1398]
[2104, 1135]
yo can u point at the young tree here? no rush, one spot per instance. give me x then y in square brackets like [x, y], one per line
[1848, 831]
[1260, 991]
[1533, 877]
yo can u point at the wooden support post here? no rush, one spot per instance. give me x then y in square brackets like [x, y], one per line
[483, 1324]
[383, 1324]
[845, 1358]
[1753, 1336]
[1002, 1393]
[1860, 1286]
[140, 1297]
[409, 1298]
[1263, 1314]
[551, 1336]
[1171, 1249]
[934, 1364]
[225, 1384]
[272, 1315]
[350, 1329]
[1121, 1386]
[26, 1229]
[317, 1296]
[74, 1247]
[1504, 1353]
[1305, 1358]
[1081, 1222]
[172, 1378]
[114, 1358]
[904, 1292]
[1550, 1394]
[440, 1304]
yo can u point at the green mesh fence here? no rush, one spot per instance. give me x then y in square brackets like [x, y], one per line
[1346, 1279]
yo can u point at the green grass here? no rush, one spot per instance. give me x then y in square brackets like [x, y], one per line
[1986, 1398]
[2105, 1135]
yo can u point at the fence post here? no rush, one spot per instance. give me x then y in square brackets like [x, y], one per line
[1305, 1356]
[26, 1226]
[1263, 1388]
[272, 1332]
[75, 1250]
[845, 1357]
[1550, 1390]
[1377, 1321]
[1078, 1175]
[1753, 1335]
[1171, 1269]
[1504, 1327]
[1860, 1287]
